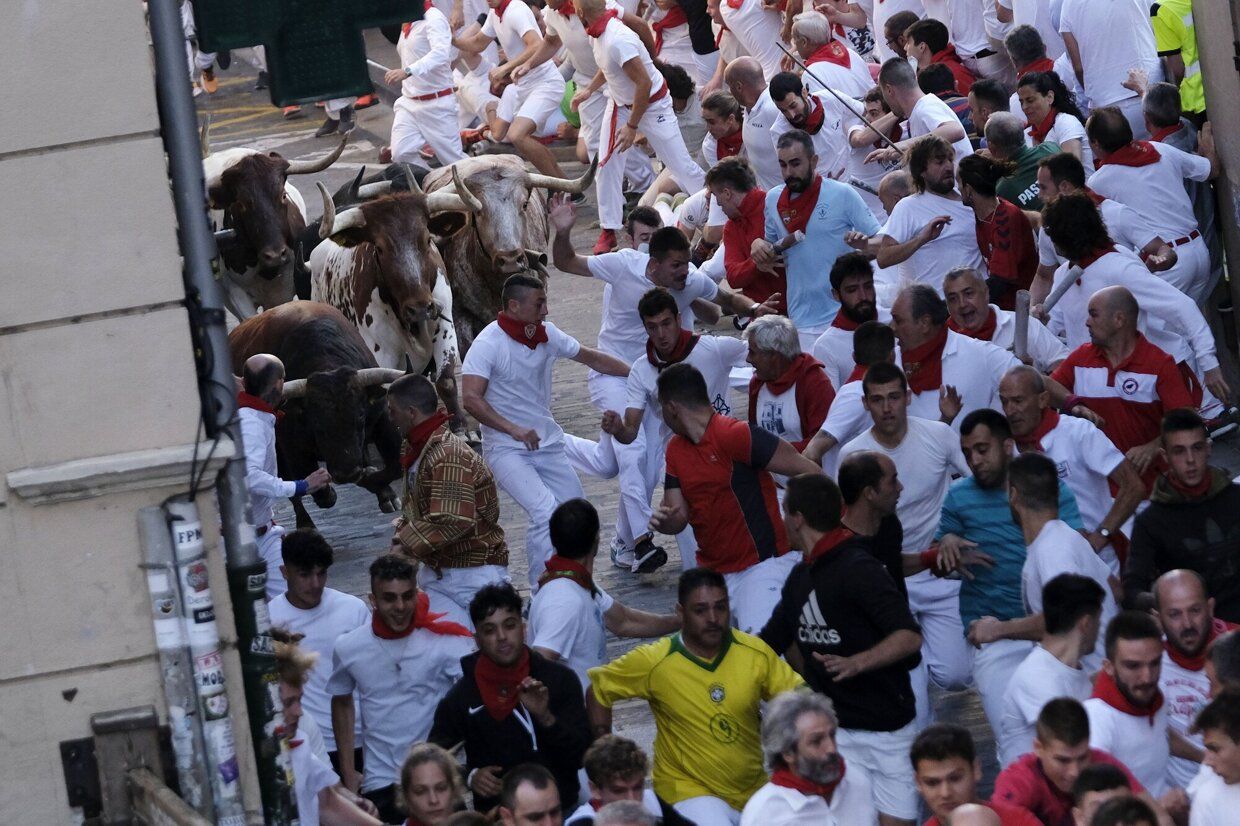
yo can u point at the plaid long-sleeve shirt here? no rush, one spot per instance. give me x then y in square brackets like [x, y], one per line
[451, 507]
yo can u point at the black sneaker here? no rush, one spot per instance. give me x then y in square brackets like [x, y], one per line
[1224, 424]
[346, 120]
[223, 59]
[329, 127]
[261, 83]
[648, 557]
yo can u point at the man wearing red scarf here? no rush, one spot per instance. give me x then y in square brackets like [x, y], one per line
[1191, 523]
[829, 58]
[818, 114]
[404, 655]
[262, 382]
[511, 705]
[809, 778]
[1186, 614]
[789, 393]
[972, 314]
[450, 515]
[928, 41]
[852, 285]
[1127, 712]
[735, 189]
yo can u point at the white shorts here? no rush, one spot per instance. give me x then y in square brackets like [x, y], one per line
[451, 593]
[537, 101]
[884, 754]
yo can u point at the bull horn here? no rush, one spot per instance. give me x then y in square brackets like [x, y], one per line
[571, 186]
[312, 167]
[458, 183]
[411, 180]
[368, 191]
[457, 199]
[204, 137]
[370, 376]
[354, 196]
[332, 223]
[295, 389]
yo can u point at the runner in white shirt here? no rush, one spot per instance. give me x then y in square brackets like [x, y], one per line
[1105, 40]
[746, 83]
[400, 665]
[923, 115]
[1186, 614]
[320, 614]
[830, 60]
[426, 112]
[506, 386]
[1042, 15]
[570, 614]
[1053, 546]
[1127, 711]
[1150, 179]
[818, 114]
[972, 315]
[539, 88]
[926, 455]
[1215, 792]
[1072, 611]
[932, 231]
[852, 285]
[758, 28]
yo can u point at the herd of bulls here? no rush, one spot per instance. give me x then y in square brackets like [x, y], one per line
[402, 271]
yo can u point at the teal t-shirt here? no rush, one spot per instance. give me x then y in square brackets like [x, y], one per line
[1021, 187]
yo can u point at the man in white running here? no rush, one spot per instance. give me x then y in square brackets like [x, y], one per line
[426, 113]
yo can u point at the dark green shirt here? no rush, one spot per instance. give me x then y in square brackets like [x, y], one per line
[1021, 187]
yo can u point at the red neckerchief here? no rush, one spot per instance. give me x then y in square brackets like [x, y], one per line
[789, 780]
[596, 28]
[986, 332]
[1160, 135]
[729, 146]
[843, 322]
[1091, 257]
[1042, 64]
[1095, 197]
[500, 685]
[1217, 628]
[793, 217]
[568, 8]
[422, 618]
[413, 821]
[817, 115]
[801, 365]
[832, 51]
[1195, 491]
[675, 17]
[923, 364]
[244, 399]
[857, 374]
[1033, 441]
[560, 568]
[1039, 131]
[828, 542]
[735, 4]
[1108, 692]
[1137, 153]
[502, 8]
[418, 436]
[531, 335]
[684, 346]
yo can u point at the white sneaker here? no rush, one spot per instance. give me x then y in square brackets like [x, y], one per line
[621, 555]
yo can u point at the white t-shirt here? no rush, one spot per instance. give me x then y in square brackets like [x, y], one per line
[1044, 348]
[519, 381]
[929, 113]
[713, 356]
[1085, 457]
[757, 28]
[881, 13]
[617, 45]
[925, 460]
[1124, 225]
[1058, 549]
[779, 413]
[566, 619]
[830, 142]
[1214, 801]
[1040, 678]
[577, 43]
[624, 271]
[1143, 747]
[427, 52]
[336, 613]
[1156, 191]
[854, 81]
[852, 804]
[518, 20]
[1043, 15]
[846, 420]
[756, 135]
[967, 26]
[400, 683]
[312, 770]
[975, 368]
[956, 246]
[1067, 128]
[1185, 694]
[1113, 36]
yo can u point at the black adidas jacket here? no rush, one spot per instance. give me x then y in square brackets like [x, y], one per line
[843, 603]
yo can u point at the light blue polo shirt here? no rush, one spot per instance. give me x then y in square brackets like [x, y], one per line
[839, 209]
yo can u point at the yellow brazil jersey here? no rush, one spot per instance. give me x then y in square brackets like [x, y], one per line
[706, 713]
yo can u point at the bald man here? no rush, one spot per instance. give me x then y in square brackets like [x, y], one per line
[1125, 379]
[1186, 613]
[748, 85]
[262, 389]
[974, 814]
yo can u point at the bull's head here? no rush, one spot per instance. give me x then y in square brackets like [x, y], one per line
[338, 406]
[398, 230]
[252, 195]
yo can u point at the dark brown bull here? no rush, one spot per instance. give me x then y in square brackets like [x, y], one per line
[335, 402]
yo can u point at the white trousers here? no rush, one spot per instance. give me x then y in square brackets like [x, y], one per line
[451, 593]
[269, 548]
[591, 113]
[662, 132]
[638, 464]
[429, 122]
[754, 592]
[707, 811]
[935, 604]
[539, 480]
[1191, 273]
[334, 106]
[993, 665]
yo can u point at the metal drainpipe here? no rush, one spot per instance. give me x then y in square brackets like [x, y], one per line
[204, 303]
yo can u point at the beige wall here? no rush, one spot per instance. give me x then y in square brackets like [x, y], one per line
[87, 226]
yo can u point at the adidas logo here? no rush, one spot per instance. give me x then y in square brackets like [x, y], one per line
[813, 628]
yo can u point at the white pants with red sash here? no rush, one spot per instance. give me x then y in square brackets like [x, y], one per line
[662, 132]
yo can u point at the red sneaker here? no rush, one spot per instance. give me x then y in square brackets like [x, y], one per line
[471, 136]
[366, 101]
[606, 242]
[291, 112]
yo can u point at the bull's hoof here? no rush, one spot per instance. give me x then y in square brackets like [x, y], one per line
[388, 502]
[325, 498]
